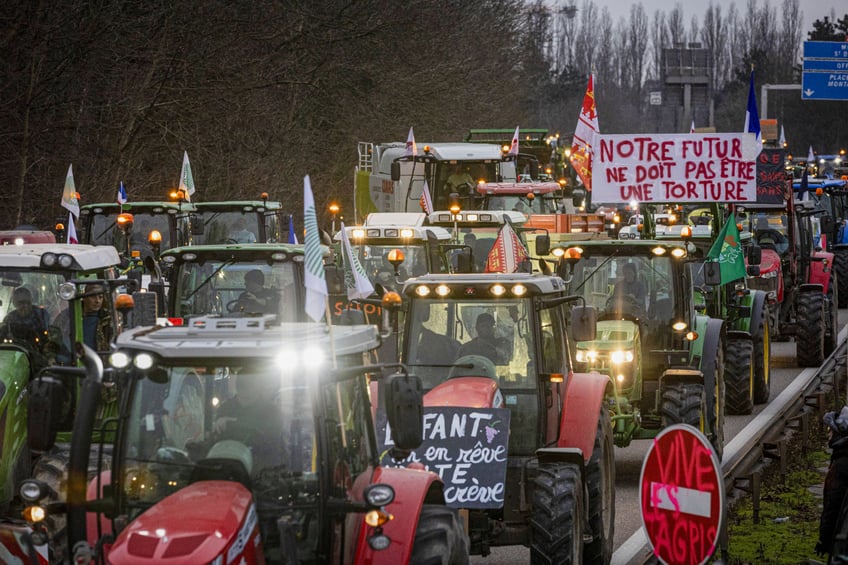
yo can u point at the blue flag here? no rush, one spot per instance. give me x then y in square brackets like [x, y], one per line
[292, 235]
[752, 116]
[804, 189]
[122, 194]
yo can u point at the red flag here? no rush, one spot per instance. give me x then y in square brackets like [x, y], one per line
[507, 253]
[72, 231]
[425, 201]
[411, 147]
[587, 127]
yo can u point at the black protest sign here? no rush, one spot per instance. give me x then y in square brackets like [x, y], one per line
[467, 447]
[771, 177]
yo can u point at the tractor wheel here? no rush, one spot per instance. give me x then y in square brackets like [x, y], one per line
[600, 476]
[684, 404]
[556, 527]
[439, 537]
[715, 417]
[809, 340]
[831, 334]
[52, 468]
[840, 267]
[739, 376]
[762, 358]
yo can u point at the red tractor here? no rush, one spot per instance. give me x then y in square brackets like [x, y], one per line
[798, 276]
[291, 476]
[500, 341]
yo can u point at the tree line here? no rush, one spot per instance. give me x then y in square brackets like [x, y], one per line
[262, 93]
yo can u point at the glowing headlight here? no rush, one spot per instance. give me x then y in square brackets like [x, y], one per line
[679, 326]
[498, 290]
[678, 252]
[422, 290]
[119, 360]
[143, 361]
[443, 290]
[622, 356]
[586, 355]
[34, 514]
[658, 250]
[519, 290]
[313, 356]
[406, 233]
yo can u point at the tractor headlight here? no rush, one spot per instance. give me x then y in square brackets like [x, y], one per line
[587, 355]
[67, 291]
[119, 360]
[379, 495]
[622, 356]
[32, 490]
[143, 361]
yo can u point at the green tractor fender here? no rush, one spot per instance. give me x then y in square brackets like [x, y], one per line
[753, 305]
[711, 346]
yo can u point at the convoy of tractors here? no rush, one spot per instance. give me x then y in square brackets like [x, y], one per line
[198, 416]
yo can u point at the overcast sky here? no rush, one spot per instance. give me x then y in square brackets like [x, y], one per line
[811, 9]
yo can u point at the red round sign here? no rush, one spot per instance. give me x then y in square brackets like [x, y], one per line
[681, 493]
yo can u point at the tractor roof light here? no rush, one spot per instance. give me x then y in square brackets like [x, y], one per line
[455, 209]
[124, 221]
[143, 361]
[557, 252]
[124, 303]
[154, 238]
[519, 290]
[443, 290]
[357, 233]
[686, 232]
[407, 233]
[498, 290]
[422, 290]
[659, 250]
[678, 253]
[119, 360]
[679, 326]
[395, 257]
[573, 253]
[391, 299]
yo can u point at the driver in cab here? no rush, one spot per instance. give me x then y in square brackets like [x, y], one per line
[460, 179]
[629, 289]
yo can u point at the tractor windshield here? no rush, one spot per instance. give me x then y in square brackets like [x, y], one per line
[221, 287]
[770, 229]
[254, 424]
[104, 230]
[640, 286]
[442, 332]
[375, 260]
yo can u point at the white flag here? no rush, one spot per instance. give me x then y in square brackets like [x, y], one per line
[811, 158]
[72, 231]
[411, 147]
[70, 198]
[782, 140]
[186, 178]
[356, 281]
[313, 271]
[692, 127]
[513, 147]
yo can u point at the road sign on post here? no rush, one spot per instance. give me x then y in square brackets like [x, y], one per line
[825, 71]
[681, 493]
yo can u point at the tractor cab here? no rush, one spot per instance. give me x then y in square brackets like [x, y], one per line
[240, 221]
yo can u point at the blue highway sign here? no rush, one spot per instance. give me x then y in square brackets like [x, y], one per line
[826, 50]
[824, 86]
[825, 65]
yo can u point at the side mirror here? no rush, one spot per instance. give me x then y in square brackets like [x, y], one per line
[543, 244]
[712, 273]
[404, 401]
[44, 412]
[395, 171]
[755, 255]
[196, 223]
[584, 323]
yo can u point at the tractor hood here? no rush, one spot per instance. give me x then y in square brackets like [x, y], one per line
[196, 524]
[471, 392]
[770, 262]
[612, 335]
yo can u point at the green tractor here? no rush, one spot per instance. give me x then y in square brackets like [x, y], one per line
[43, 288]
[662, 353]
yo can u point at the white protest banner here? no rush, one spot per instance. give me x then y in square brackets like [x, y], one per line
[685, 167]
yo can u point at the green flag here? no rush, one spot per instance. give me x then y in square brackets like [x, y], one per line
[727, 251]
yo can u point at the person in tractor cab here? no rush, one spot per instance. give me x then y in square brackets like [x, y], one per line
[460, 179]
[26, 323]
[629, 293]
[256, 298]
[240, 233]
[252, 417]
[486, 343]
[97, 328]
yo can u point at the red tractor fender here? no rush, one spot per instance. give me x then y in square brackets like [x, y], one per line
[584, 395]
[820, 269]
[413, 487]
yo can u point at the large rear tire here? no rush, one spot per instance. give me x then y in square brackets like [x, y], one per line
[809, 339]
[762, 358]
[739, 376]
[600, 477]
[439, 537]
[556, 527]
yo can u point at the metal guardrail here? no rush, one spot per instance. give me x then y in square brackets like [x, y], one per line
[761, 441]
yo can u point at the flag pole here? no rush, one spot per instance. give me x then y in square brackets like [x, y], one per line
[330, 331]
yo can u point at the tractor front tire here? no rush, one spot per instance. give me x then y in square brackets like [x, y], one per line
[809, 339]
[600, 478]
[684, 403]
[439, 537]
[840, 267]
[739, 376]
[556, 527]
